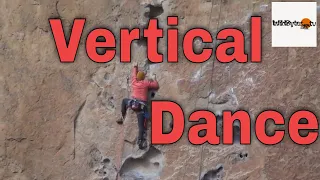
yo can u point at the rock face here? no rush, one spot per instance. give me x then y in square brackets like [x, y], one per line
[57, 121]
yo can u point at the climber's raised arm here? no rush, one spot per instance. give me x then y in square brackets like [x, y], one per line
[134, 73]
[153, 84]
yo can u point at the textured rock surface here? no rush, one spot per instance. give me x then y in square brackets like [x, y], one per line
[57, 121]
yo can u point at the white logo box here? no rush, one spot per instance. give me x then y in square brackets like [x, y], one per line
[288, 36]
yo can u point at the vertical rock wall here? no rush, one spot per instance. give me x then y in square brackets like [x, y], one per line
[57, 121]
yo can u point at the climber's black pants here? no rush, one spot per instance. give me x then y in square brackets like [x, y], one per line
[124, 106]
[141, 124]
[140, 116]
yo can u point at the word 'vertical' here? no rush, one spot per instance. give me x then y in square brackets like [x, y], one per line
[294, 126]
[67, 50]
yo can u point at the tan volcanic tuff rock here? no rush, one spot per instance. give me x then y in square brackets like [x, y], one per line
[57, 121]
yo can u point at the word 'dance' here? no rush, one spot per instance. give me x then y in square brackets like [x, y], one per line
[294, 126]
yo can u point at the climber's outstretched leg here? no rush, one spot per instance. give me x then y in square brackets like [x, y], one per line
[124, 107]
[142, 130]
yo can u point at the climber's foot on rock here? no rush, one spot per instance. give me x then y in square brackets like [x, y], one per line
[120, 120]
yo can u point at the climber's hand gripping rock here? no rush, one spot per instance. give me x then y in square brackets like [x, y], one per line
[154, 76]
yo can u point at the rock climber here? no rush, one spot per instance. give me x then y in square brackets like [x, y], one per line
[138, 100]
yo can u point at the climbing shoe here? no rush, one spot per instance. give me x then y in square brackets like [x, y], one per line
[120, 120]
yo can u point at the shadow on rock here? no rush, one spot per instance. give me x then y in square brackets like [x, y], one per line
[148, 166]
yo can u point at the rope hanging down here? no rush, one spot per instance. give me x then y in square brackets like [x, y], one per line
[215, 44]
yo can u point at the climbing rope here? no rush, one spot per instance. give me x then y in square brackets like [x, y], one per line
[211, 81]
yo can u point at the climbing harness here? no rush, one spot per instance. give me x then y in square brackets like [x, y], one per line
[136, 105]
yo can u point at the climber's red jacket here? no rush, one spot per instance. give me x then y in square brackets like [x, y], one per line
[140, 88]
